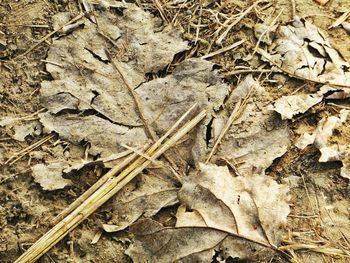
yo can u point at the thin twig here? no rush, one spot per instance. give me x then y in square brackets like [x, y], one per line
[266, 31]
[93, 188]
[140, 153]
[199, 21]
[246, 71]
[320, 249]
[111, 173]
[161, 10]
[25, 25]
[30, 148]
[242, 15]
[293, 8]
[224, 49]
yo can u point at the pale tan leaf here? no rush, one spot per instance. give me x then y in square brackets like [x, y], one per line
[240, 216]
[50, 176]
[289, 106]
[144, 197]
[258, 136]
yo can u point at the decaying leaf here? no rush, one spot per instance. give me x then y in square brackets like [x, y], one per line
[102, 111]
[166, 99]
[50, 176]
[265, 32]
[85, 79]
[334, 92]
[21, 129]
[289, 106]
[258, 136]
[143, 197]
[322, 138]
[105, 137]
[226, 213]
[302, 50]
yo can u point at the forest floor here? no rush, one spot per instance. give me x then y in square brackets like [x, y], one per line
[279, 68]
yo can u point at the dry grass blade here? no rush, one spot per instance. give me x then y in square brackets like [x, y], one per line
[320, 249]
[242, 15]
[239, 107]
[108, 189]
[94, 187]
[222, 50]
[110, 174]
[246, 71]
[30, 148]
[340, 19]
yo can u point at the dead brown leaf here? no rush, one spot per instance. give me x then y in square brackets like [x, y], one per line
[219, 212]
[258, 136]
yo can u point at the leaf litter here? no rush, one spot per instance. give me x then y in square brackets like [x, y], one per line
[244, 206]
[88, 102]
[222, 211]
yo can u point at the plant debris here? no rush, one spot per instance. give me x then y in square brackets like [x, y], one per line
[244, 205]
[92, 95]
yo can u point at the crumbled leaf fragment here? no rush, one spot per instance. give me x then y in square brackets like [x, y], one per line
[289, 106]
[50, 176]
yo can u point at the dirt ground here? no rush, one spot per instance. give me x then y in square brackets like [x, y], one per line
[320, 202]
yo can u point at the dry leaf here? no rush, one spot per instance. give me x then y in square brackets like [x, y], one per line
[104, 136]
[289, 106]
[302, 50]
[334, 92]
[85, 79]
[265, 32]
[50, 176]
[226, 213]
[21, 128]
[258, 136]
[143, 197]
[321, 138]
[165, 99]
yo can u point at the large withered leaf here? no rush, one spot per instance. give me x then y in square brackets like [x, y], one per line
[258, 136]
[83, 76]
[154, 243]
[164, 100]
[245, 202]
[239, 216]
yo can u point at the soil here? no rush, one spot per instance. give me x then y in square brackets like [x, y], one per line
[320, 196]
